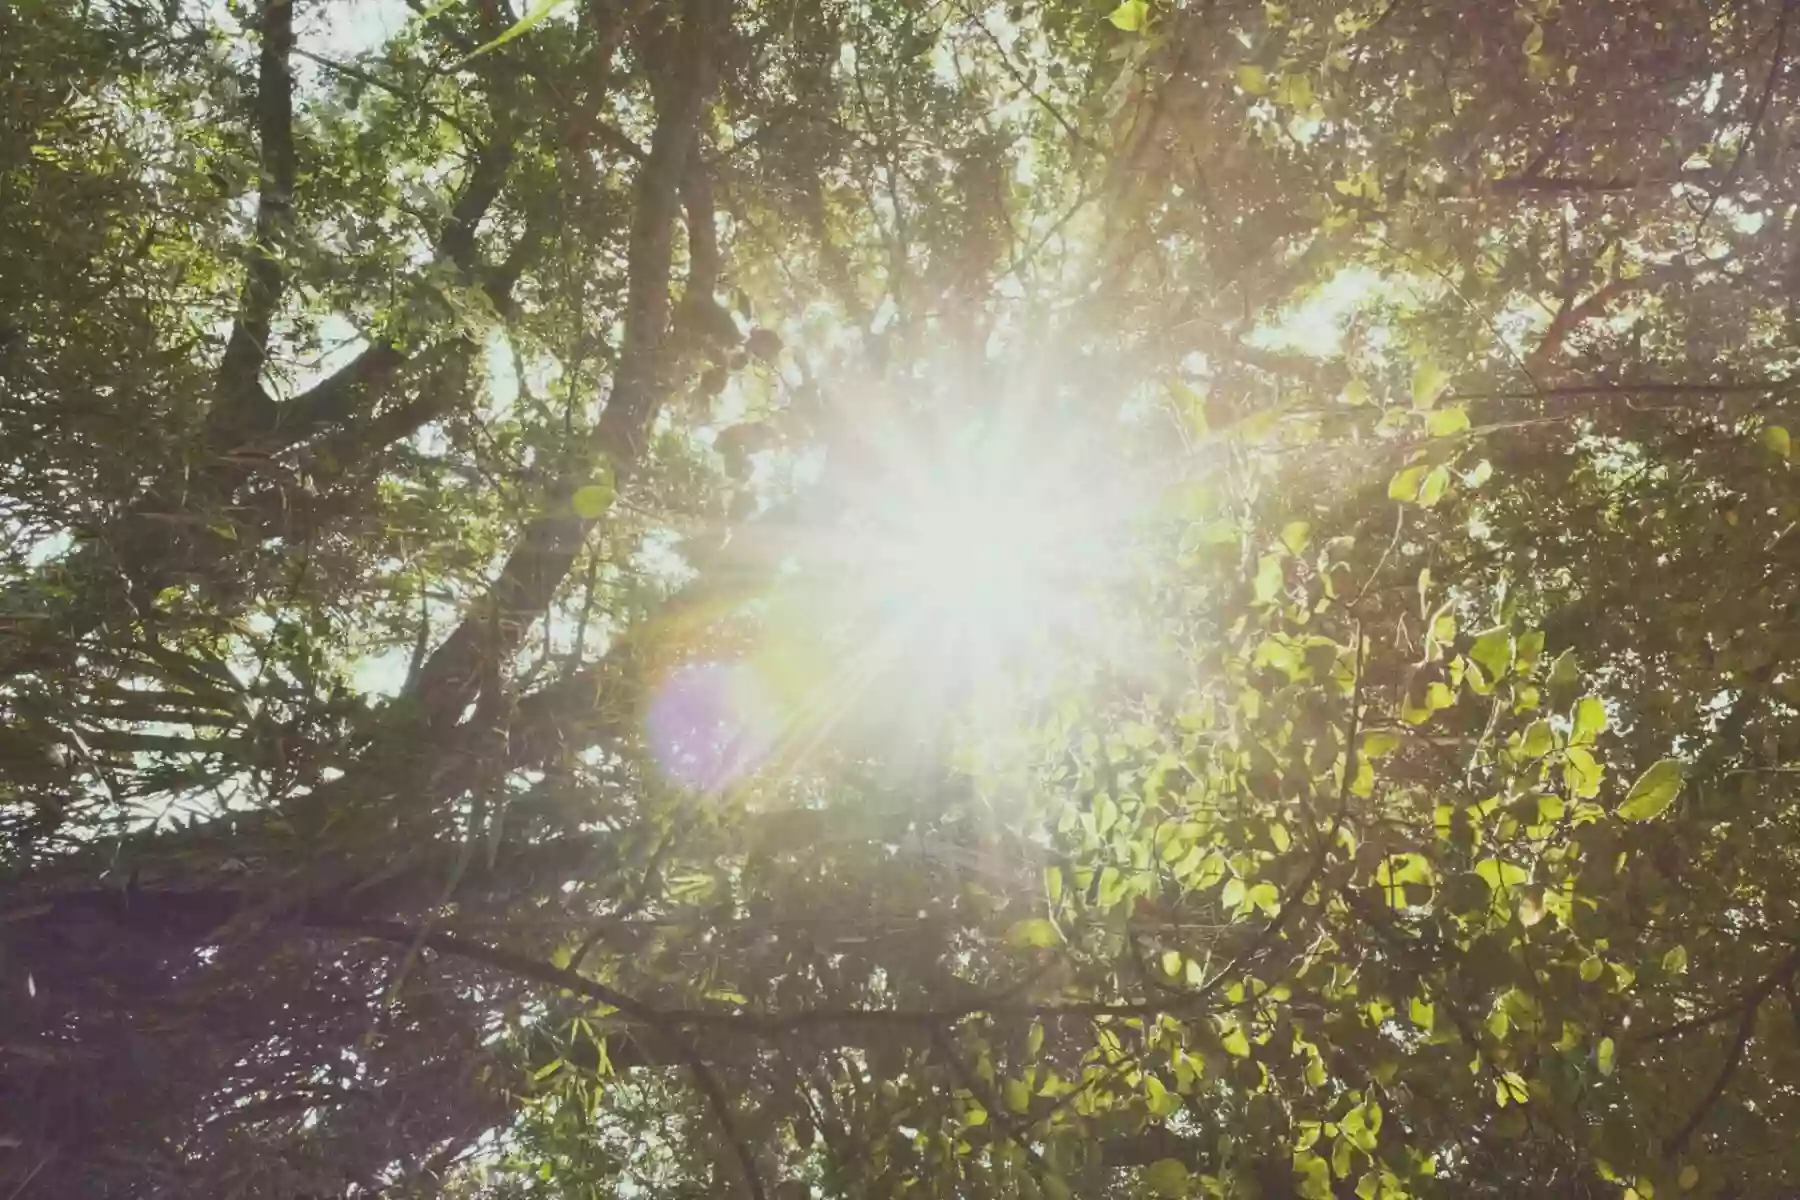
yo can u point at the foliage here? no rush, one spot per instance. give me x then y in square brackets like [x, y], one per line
[488, 710]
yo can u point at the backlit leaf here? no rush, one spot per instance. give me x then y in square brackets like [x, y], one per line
[1654, 791]
[1035, 931]
[1447, 422]
[1131, 15]
[1589, 721]
[1428, 383]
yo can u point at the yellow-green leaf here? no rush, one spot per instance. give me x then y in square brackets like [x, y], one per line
[1675, 961]
[1428, 383]
[1432, 490]
[1590, 721]
[1776, 438]
[1447, 422]
[1254, 80]
[1423, 1013]
[1654, 791]
[1405, 485]
[1235, 1043]
[1233, 895]
[1270, 579]
[591, 501]
[1018, 1095]
[1592, 968]
[1379, 743]
[1538, 740]
[1690, 1175]
[1266, 897]
[1603, 1056]
[1582, 773]
[1499, 874]
[1036, 931]
[1131, 15]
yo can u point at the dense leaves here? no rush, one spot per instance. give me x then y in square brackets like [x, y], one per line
[880, 599]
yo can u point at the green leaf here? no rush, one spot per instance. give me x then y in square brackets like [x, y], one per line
[976, 1115]
[1592, 967]
[1690, 1175]
[1034, 1041]
[1379, 743]
[1233, 893]
[1493, 651]
[1534, 41]
[1266, 897]
[1423, 1013]
[1253, 79]
[523, 25]
[1405, 485]
[1018, 1095]
[1776, 438]
[1603, 1056]
[1428, 383]
[1040, 932]
[1295, 536]
[1315, 1175]
[1131, 15]
[1234, 1042]
[1582, 773]
[1447, 422]
[1167, 1177]
[1053, 883]
[1432, 490]
[1589, 722]
[1500, 875]
[1654, 791]
[591, 502]
[1675, 961]
[1538, 740]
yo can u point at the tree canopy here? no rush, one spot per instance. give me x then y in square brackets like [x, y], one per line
[885, 598]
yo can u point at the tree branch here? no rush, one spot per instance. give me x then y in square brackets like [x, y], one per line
[682, 78]
[1677, 1141]
[239, 402]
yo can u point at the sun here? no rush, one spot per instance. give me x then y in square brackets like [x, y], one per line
[982, 559]
[941, 585]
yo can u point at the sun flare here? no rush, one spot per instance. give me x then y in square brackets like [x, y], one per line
[942, 586]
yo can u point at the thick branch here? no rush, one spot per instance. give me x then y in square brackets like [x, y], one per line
[547, 550]
[239, 393]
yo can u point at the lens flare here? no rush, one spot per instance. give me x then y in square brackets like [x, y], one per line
[935, 594]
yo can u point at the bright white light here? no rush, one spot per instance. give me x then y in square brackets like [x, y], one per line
[978, 562]
[940, 587]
